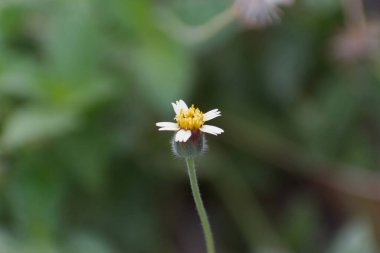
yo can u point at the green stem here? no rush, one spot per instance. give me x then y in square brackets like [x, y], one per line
[199, 204]
[195, 35]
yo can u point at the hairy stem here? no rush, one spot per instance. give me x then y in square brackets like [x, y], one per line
[199, 205]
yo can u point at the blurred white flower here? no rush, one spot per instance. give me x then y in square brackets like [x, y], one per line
[259, 13]
[356, 43]
[190, 121]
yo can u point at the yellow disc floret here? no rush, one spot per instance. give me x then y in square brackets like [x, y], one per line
[192, 119]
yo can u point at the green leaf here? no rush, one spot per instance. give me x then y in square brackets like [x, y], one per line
[162, 70]
[84, 243]
[19, 79]
[6, 243]
[35, 194]
[323, 5]
[73, 40]
[31, 125]
[197, 12]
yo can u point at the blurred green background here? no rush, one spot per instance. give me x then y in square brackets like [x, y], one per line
[83, 168]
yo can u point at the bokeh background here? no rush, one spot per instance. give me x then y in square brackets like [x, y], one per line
[83, 168]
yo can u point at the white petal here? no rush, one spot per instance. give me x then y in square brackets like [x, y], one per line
[182, 135]
[211, 129]
[187, 136]
[176, 108]
[169, 129]
[178, 136]
[165, 124]
[212, 111]
[182, 105]
[212, 114]
[176, 128]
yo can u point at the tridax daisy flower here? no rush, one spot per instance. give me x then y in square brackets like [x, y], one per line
[189, 142]
[190, 122]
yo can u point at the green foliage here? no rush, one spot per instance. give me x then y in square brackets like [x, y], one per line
[83, 169]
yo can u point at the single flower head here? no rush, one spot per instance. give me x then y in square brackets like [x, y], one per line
[190, 122]
[259, 13]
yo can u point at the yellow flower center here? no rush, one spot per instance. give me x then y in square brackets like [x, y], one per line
[192, 119]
